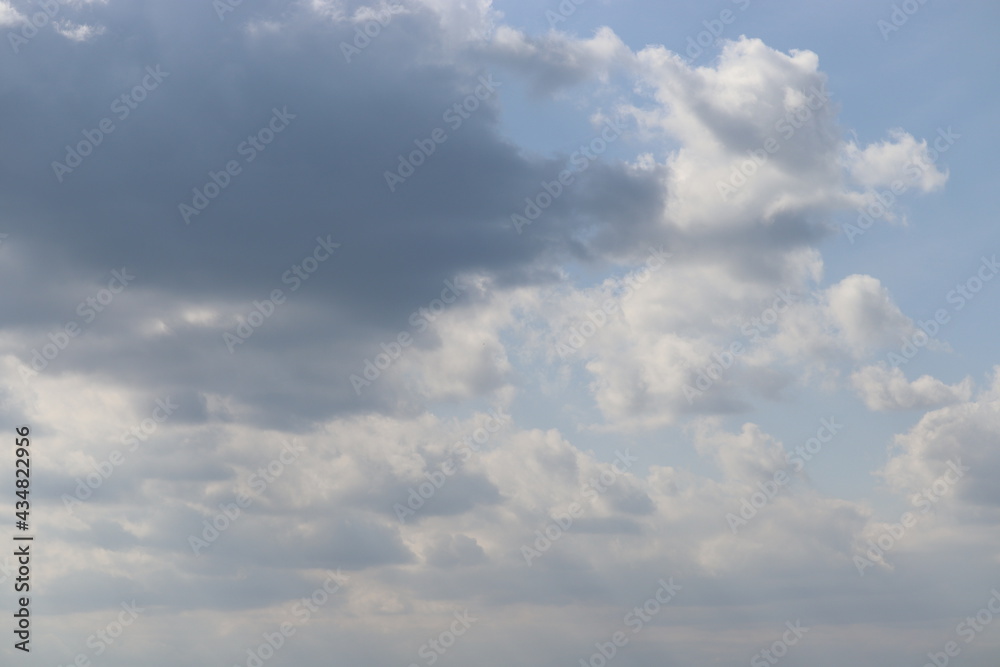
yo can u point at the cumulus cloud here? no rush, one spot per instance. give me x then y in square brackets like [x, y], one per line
[493, 383]
[863, 311]
[960, 431]
[556, 60]
[884, 388]
[9, 15]
[901, 158]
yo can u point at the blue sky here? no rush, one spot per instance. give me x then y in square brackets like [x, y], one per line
[882, 77]
[424, 333]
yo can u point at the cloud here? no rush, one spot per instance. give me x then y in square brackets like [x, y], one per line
[883, 388]
[456, 550]
[901, 158]
[957, 432]
[78, 32]
[747, 456]
[9, 16]
[728, 173]
[863, 312]
[555, 60]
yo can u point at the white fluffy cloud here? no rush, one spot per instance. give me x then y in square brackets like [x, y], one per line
[9, 16]
[965, 430]
[576, 402]
[902, 159]
[884, 388]
[864, 313]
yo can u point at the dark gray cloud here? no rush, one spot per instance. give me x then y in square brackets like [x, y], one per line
[209, 85]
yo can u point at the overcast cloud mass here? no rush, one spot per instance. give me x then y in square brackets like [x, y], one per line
[459, 332]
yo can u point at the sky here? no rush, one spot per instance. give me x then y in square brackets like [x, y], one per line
[472, 332]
